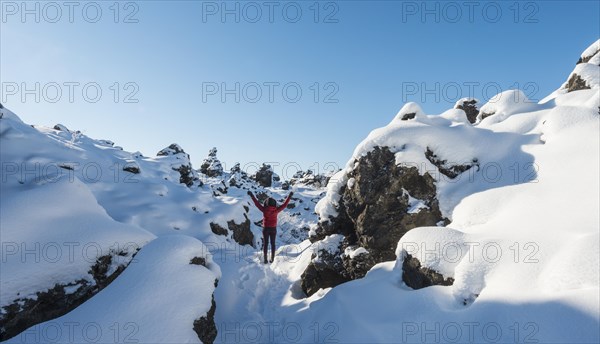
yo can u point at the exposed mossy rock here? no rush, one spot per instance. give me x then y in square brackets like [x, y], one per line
[417, 277]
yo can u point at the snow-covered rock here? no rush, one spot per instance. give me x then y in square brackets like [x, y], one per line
[162, 297]
[211, 166]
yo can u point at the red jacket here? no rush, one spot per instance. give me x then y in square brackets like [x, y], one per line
[270, 213]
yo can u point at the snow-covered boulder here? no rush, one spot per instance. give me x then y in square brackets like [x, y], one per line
[180, 162]
[211, 166]
[586, 74]
[166, 296]
[411, 111]
[264, 176]
[59, 256]
[505, 104]
[469, 106]
[378, 204]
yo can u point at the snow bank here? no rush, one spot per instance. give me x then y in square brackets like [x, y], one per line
[63, 237]
[327, 206]
[504, 104]
[155, 300]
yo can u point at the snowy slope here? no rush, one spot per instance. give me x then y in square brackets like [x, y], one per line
[155, 300]
[69, 201]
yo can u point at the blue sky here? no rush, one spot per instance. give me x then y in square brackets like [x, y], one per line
[355, 63]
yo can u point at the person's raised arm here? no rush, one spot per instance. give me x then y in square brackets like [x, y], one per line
[256, 202]
[287, 201]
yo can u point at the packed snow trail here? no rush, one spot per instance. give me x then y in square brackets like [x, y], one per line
[254, 298]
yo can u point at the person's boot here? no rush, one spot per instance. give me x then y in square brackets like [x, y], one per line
[266, 261]
[272, 257]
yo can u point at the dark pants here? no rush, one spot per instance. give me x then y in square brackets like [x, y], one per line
[269, 233]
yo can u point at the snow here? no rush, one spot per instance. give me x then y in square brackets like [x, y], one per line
[522, 245]
[411, 108]
[327, 207]
[505, 104]
[354, 252]
[589, 72]
[414, 205]
[60, 243]
[155, 300]
[592, 49]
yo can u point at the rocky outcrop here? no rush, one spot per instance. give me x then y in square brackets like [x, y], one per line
[205, 326]
[451, 170]
[308, 178]
[379, 204]
[325, 270]
[61, 127]
[407, 116]
[241, 232]
[417, 277]
[264, 176]
[469, 106]
[237, 177]
[182, 164]
[132, 169]
[211, 166]
[57, 301]
[576, 83]
[586, 59]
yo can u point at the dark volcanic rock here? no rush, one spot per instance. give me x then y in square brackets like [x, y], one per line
[198, 261]
[576, 83]
[211, 166]
[417, 277]
[449, 170]
[264, 176]
[358, 266]
[407, 116]
[217, 229]
[373, 213]
[131, 169]
[241, 232]
[470, 108]
[324, 272]
[183, 166]
[205, 327]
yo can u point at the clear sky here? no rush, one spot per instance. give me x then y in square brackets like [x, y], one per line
[299, 82]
